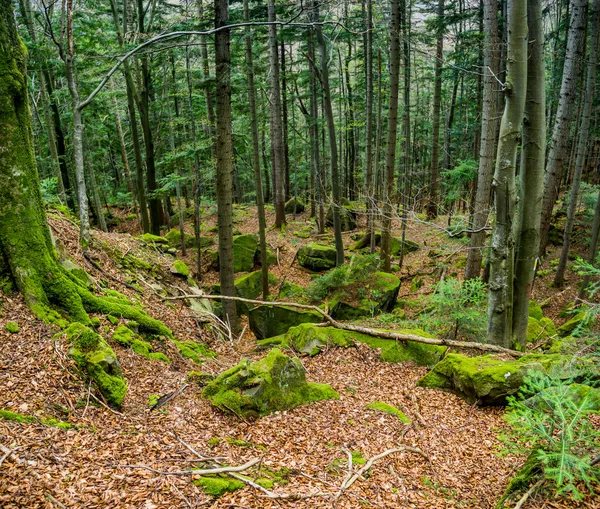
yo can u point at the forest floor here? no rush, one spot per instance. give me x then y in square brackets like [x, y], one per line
[87, 465]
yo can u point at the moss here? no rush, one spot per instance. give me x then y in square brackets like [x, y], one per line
[200, 378]
[153, 240]
[535, 310]
[389, 409]
[522, 480]
[268, 321]
[179, 268]
[7, 415]
[357, 459]
[12, 327]
[112, 319]
[244, 251]
[126, 337]
[217, 486]
[310, 340]
[196, 352]
[575, 325]
[317, 257]
[97, 360]
[291, 290]
[174, 238]
[276, 382]
[153, 399]
[248, 286]
[539, 330]
[95, 322]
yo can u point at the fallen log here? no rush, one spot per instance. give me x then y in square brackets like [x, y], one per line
[396, 336]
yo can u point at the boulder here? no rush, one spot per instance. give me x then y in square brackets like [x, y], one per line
[291, 290]
[154, 240]
[174, 238]
[379, 295]
[98, 361]
[248, 286]
[317, 257]
[267, 321]
[276, 382]
[294, 203]
[180, 269]
[347, 218]
[244, 251]
[535, 310]
[489, 380]
[395, 244]
[539, 330]
[577, 323]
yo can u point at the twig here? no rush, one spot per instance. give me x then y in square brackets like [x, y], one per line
[348, 475]
[207, 471]
[401, 481]
[363, 330]
[527, 494]
[163, 400]
[106, 406]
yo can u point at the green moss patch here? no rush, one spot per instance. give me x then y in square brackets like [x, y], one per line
[276, 382]
[389, 409]
[317, 257]
[126, 337]
[268, 321]
[196, 352]
[7, 415]
[12, 327]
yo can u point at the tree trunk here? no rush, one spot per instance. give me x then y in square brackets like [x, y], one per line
[562, 125]
[224, 152]
[392, 121]
[335, 179]
[369, 184]
[284, 113]
[581, 145]
[260, 204]
[489, 139]
[593, 248]
[276, 127]
[432, 206]
[500, 300]
[532, 174]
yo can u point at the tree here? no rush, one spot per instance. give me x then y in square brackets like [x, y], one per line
[500, 301]
[489, 138]
[557, 155]
[369, 179]
[582, 145]
[532, 174]
[392, 129]
[224, 151]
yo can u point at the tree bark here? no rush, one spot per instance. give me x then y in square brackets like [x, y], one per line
[581, 145]
[369, 184]
[532, 174]
[560, 134]
[489, 139]
[224, 152]
[500, 300]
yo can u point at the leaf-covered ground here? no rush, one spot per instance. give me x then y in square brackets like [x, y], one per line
[85, 466]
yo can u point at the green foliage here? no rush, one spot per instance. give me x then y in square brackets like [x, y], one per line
[357, 271]
[457, 178]
[12, 327]
[458, 307]
[48, 188]
[551, 422]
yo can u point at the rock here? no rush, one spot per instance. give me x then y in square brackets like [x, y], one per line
[289, 206]
[291, 290]
[128, 338]
[380, 293]
[395, 244]
[489, 380]
[539, 330]
[248, 286]
[535, 310]
[575, 324]
[154, 240]
[268, 321]
[271, 257]
[200, 307]
[347, 218]
[180, 269]
[174, 238]
[244, 251]
[276, 382]
[317, 257]
[98, 361]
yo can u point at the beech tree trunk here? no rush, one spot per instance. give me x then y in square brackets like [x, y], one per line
[500, 300]
[557, 155]
[489, 139]
[224, 152]
[581, 145]
[532, 174]
[369, 179]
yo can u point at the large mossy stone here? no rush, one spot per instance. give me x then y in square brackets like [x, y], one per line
[317, 257]
[347, 218]
[98, 361]
[577, 323]
[381, 292]
[489, 380]
[267, 321]
[174, 238]
[154, 240]
[248, 286]
[540, 330]
[535, 310]
[395, 244]
[276, 382]
[244, 251]
[294, 204]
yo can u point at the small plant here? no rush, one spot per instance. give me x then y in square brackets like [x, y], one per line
[549, 422]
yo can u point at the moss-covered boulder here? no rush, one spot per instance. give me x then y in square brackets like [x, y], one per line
[489, 380]
[128, 338]
[267, 321]
[291, 291]
[395, 244]
[294, 204]
[154, 240]
[244, 251]
[248, 286]
[98, 361]
[539, 330]
[347, 218]
[574, 325]
[276, 382]
[317, 257]
[377, 295]
[180, 269]
[535, 310]
[174, 238]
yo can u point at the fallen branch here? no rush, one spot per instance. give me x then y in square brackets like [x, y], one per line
[396, 336]
[527, 494]
[163, 400]
[207, 471]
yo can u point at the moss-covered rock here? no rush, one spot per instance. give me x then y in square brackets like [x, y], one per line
[291, 291]
[244, 251]
[539, 330]
[200, 378]
[267, 321]
[395, 244]
[248, 286]
[294, 205]
[386, 408]
[128, 338]
[174, 238]
[347, 218]
[574, 325]
[535, 310]
[98, 361]
[196, 352]
[276, 382]
[271, 257]
[317, 257]
[180, 269]
[380, 294]
[310, 340]
[489, 380]
[154, 240]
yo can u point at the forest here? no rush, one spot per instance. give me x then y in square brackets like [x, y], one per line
[304, 254]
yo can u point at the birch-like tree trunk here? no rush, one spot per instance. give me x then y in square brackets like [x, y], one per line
[500, 300]
[532, 173]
